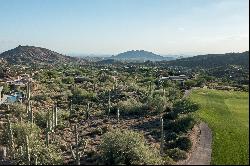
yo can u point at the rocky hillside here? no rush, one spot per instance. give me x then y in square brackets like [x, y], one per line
[34, 55]
[213, 60]
[140, 55]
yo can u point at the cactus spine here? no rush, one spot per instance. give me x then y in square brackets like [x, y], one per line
[162, 136]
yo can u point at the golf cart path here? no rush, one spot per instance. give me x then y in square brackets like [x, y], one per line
[201, 151]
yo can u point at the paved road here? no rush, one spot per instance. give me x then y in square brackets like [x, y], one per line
[202, 152]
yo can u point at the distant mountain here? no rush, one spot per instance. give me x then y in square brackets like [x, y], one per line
[213, 60]
[140, 55]
[34, 55]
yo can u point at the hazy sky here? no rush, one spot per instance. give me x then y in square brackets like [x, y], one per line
[114, 26]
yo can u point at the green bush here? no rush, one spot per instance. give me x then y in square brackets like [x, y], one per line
[183, 143]
[171, 136]
[182, 124]
[158, 103]
[185, 106]
[131, 107]
[40, 119]
[170, 115]
[68, 80]
[127, 147]
[79, 95]
[176, 154]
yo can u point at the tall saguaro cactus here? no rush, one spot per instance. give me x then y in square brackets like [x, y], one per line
[162, 136]
[76, 154]
[10, 139]
[47, 132]
[87, 113]
[27, 150]
[71, 107]
[109, 103]
[55, 115]
[30, 114]
[52, 120]
[118, 115]
[28, 89]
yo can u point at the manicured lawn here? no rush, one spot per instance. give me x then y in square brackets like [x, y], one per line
[226, 113]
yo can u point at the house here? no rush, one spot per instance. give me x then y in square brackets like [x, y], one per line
[175, 78]
[181, 78]
[16, 96]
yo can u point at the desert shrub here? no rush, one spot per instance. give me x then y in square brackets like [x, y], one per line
[185, 106]
[97, 131]
[131, 107]
[127, 147]
[68, 80]
[158, 103]
[46, 155]
[17, 109]
[176, 154]
[40, 118]
[39, 98]
[78, 95]
[170, 115]
[171, 136]
[183, 143]
[182, 124]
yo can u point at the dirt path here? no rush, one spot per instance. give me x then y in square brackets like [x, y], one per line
[201, 152]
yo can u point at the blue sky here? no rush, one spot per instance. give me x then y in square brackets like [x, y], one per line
[114, 26]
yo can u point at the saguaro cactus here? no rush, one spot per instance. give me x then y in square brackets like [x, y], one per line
[55, 116]
[76, 154]
[28, 90]
[35, 159]
[71, 107]
[20, 151]
[31, 116]
[109, 103]
[11, 140]
[52, 120]
[47, 132]
[27, 150]
[162, 136]
[87, 113]
[118, 115]
[28, 107]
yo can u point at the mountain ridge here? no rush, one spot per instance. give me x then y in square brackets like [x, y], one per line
[213, 60]
[34, 55]
[140, 55]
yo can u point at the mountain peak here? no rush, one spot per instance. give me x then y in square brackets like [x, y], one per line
[140, 55]
[33, 55]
